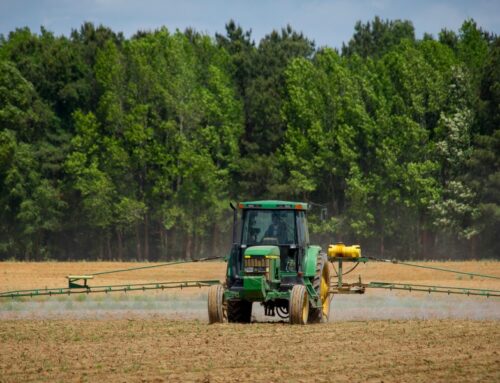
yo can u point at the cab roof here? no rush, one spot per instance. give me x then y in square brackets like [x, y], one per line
[273, 204]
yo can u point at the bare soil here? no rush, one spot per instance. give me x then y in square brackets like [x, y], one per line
[157, 350]
[164, 337]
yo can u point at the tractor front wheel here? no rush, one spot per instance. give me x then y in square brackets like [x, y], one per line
[216, 305]
[299, 305]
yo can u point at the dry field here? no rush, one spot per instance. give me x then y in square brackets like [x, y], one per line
[164, 337]
[26, 275]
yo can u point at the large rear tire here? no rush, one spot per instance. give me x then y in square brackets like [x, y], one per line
[216, 305]
[321, 284]
[239, 311]
[299, 305]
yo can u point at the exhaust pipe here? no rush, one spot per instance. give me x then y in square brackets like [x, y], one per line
[235, 221]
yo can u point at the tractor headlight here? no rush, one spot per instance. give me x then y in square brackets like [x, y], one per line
[249, 269]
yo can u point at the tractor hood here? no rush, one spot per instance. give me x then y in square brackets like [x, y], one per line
[260, 268]
[262, 251]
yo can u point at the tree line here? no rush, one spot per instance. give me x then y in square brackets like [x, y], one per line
[116, 148]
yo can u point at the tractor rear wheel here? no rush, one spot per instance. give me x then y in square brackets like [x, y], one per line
[239, 311]
[321, 284]
[299, 305]
[216, 305]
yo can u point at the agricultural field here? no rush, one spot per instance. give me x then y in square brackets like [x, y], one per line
[164, 336]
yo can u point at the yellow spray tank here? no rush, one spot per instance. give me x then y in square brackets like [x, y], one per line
[341, 250]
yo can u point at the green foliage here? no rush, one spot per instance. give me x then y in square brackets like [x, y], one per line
[378, 37]
[132, 148]
[472, 48]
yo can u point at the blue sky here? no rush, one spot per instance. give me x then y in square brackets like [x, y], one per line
[327, 22]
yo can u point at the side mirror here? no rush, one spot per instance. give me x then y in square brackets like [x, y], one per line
[322, 214]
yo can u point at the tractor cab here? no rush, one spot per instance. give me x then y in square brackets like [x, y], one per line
[273, 237]
[276, 223]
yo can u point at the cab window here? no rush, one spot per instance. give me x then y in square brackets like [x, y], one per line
[268, 226]
[302, 229]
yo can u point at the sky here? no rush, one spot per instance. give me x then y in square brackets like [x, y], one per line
[327, 22]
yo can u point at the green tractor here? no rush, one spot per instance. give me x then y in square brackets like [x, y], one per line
[273, 263]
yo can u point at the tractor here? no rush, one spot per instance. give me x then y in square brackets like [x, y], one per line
[273, 263]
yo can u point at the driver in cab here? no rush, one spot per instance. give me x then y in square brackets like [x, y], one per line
[277, 229]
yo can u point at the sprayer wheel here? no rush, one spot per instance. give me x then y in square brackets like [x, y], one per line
[321, 284]
[239, 311]
[299, 305]
[216, 305]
